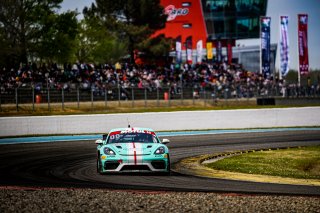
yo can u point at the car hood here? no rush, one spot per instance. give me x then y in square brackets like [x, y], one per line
[134, 148]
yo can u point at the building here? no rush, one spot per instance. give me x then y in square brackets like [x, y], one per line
[220, 22]
[249, 57]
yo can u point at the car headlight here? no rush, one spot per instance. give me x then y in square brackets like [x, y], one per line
[108, 151]
[160, 150]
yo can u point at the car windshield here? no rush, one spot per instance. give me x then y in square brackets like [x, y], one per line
[129, 137]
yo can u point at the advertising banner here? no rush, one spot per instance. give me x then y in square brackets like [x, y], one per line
[199, 51]
[178, 50]
[189, 49]
[219, 50]
[209, 50]
[303, 44]
[265, 23]
[284, 46]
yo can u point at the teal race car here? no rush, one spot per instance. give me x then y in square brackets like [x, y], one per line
[132, 150]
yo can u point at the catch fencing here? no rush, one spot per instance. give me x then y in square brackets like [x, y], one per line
[76, 94]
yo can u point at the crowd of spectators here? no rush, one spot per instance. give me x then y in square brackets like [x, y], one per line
[229, 80]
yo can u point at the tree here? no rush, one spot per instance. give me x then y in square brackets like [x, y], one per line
[58, 39]
[134, 21]
[28, 27]
[156, 47]
[96, 44]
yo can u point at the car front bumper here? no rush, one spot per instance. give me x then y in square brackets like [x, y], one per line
[143, 163]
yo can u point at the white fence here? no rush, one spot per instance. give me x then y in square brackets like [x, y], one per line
[191, 120]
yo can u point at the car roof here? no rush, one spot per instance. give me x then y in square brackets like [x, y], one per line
[131, 129]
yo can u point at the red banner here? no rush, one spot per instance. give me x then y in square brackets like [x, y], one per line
[303, 43]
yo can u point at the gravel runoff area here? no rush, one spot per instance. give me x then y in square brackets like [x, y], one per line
[95, 200]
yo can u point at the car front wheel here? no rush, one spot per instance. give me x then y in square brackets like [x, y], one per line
[99, 164]
[168, 167]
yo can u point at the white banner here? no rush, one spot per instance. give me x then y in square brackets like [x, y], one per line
[178, 50]
[284, 46]
[199, 51]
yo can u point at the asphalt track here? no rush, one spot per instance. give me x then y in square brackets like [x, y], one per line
[73, 164]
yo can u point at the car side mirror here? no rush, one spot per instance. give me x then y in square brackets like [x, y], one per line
[165, 141]
[99, 142]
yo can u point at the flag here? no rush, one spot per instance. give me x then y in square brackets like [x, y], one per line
[189, 49]
[209, 50]
[284, 45]
[178, 50]
[265, 23]
[219, 50]
[303, 44]
[199, 51]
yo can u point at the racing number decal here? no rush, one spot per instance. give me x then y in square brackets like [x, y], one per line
[117, 136]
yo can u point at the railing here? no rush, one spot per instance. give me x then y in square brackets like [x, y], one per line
[208, 94]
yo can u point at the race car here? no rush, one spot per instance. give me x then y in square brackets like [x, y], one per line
[132, 150]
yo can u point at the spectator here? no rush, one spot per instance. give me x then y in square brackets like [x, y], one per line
[228, 80]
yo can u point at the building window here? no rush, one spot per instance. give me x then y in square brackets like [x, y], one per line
[188, 25]
[186, 4]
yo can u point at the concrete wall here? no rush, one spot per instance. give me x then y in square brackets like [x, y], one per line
[217, 119]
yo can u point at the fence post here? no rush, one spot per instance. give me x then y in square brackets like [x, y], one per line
[78, 96]
[169, 94]
[158, 97]
[193, 101]
[213, 94]
[181, 94]
[106, 97]
[226, 96]
[17, 103]
[236, 89]
[32, 98]
[132, 96]
[145, 97]
[91, 99]
[48, 91]
[62, 98]
[119, 95]
[0, 99]
[248, 94]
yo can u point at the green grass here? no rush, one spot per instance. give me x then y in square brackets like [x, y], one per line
[303, 163]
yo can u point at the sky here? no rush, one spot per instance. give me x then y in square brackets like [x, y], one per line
[275, 9]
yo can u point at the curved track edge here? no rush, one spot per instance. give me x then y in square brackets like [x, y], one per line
[195, 166]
